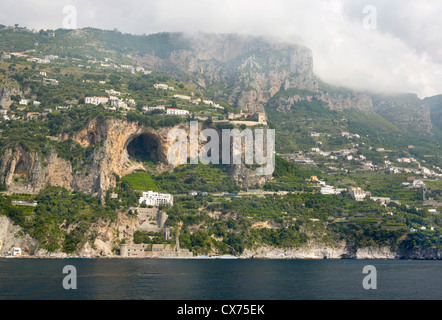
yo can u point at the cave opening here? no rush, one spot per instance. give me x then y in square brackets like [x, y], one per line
[144, 148]
[20, 168]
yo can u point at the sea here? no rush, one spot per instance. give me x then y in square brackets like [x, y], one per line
[219, 279]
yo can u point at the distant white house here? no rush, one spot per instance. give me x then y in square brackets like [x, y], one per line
[15, 252]
[177, 112]
[330, 190]
[23, 102]
[43, 61]
[96, 100]
[163, 87]
[152, 198]
[182, 97]
[51, 81]
[117, 103]
[418, 183]
[36, 103]
[125, 66]
[327, 190]
[42, 73]
[357, 193]
[161, 108]
[112, 92]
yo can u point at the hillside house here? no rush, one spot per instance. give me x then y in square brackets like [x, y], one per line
[357, 193]
[177, 112]
[156, 199]
[96, 100]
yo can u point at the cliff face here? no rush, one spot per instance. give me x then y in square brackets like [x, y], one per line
[29, 172]
[12, 236]
[320, 251]
[406, 111]
[113, 141]
[341, 251]
[360, 101]
[104, 243]
[252, 69]
[7, 90]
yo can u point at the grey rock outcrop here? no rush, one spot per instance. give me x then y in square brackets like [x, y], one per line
[13, 236]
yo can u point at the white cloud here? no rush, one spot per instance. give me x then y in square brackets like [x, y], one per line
[403, 54]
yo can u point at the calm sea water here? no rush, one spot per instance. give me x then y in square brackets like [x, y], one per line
[219, 279]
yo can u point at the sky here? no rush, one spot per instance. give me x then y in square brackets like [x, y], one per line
[378, 45]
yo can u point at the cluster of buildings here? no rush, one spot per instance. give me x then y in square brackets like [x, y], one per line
[356, 193]
[151, 220]
[330, 190]
[350, 135]
[412, 182]
[113, 101]
[245, 118]
[153, 251]
[177, 112]
[47, 59]
[198, 100]
[163, 86]
[96, 100]
[326, 189]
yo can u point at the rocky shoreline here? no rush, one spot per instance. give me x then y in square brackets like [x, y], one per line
[272, 253]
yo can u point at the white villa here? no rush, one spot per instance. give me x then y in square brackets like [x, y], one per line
[163, 87]
[177, 112]
[152, 198]
[357, 193]
[162, 108]
[96, 100]
[183, 97]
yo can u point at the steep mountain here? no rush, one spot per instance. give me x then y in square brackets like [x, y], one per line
[406, 111]
[435, 104]
[242, 71]
[67, 154]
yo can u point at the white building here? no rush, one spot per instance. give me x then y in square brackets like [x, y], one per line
[51, 81]
[15, 252]
[125, 66]
[357, 193]
[152, 198]
[177, 112]
[112, 92]
[182, 97]
[96, 100]
[327, 190]
[163, 86]
[23, 102]
[161, 108]
[418, 184]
